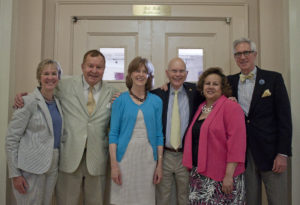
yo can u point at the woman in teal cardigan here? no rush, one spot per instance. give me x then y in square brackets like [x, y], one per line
[136, 139]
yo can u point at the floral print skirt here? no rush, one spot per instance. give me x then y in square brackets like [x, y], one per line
[206, 191]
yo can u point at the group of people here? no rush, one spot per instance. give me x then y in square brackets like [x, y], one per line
[216, 140]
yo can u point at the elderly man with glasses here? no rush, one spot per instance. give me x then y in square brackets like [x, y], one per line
[263, 96]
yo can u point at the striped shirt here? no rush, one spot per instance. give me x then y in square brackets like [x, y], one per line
[245, 92]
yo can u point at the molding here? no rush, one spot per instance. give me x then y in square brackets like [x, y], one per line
[199, 11]
[6, 13]
[167, 18]
[221, 3]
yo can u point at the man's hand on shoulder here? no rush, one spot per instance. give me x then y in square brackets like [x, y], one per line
[233, 99]
[19, 102]
[115, 96]
[164, 87]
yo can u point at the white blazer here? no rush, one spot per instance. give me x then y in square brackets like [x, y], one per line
[82, 130]
[30, 138]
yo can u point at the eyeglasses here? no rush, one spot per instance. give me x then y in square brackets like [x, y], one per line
[245, 53]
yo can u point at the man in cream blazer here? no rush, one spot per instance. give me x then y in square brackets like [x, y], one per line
[84, 144]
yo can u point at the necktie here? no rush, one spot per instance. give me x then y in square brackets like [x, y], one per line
[175, 139]
[244, 77]
[91, 104]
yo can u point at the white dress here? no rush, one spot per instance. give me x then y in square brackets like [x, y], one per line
[137, 170]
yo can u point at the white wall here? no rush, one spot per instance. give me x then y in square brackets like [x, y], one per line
[6, 10]
[20, 52]
[29, 15]
[294, 15]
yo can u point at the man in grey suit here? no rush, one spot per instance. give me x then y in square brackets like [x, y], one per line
[85, 102]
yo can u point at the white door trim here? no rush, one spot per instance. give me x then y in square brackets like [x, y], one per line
[65, 11]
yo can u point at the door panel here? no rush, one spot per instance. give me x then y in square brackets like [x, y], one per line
[158, 41]
[211, 36]
[132, 35]
[95, 34]
[197, 22]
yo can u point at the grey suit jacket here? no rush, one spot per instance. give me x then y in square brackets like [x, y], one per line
[82, 130]
[30, 138]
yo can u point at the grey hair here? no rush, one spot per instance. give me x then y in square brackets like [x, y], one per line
[244, 40]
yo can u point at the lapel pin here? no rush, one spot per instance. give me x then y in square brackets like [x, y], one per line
[261, 81]
[190, 89]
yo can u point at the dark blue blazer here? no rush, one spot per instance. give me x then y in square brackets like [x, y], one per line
[194, 101]
[269, 123]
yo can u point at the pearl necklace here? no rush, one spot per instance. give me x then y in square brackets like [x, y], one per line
[207, 109]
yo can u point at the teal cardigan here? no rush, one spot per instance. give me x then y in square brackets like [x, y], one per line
[123, 119]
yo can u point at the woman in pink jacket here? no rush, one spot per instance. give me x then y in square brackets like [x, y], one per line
[215, 145]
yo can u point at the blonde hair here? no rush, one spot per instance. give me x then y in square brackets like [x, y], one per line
[43, 64]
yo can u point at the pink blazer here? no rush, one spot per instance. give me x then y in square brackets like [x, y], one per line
[222, 140]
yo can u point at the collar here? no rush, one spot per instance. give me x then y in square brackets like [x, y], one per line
[86, 86]
[254, 71]
[172, 90]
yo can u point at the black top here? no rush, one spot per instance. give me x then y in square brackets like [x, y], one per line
[195, 140]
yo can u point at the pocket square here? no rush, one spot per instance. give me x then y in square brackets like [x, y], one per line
[266, 93]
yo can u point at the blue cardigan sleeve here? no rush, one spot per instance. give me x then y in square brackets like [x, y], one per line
[115, 121]
[159, 133]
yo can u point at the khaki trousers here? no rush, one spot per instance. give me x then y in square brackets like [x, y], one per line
[70, 185]
[40, 186]
[275, 184]
[173, 171]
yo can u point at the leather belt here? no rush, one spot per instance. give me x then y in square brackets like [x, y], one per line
[173, 150]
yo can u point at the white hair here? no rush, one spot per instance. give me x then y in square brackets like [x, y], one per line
[244, 40]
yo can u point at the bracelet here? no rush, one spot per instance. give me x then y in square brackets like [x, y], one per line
[160, 156]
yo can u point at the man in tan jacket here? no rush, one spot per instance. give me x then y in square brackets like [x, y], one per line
[84, 144]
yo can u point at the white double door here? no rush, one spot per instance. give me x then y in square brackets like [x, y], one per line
[156, 40]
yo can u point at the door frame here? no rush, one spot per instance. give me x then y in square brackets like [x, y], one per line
[66, 11]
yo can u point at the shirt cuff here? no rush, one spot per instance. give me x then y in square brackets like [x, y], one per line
[284, 155]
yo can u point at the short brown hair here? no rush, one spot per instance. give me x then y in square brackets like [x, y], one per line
[43, 64]
[225, 87]
[93, 53]
[134, 66]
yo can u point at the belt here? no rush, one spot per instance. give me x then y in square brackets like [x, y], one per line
[173, 150]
